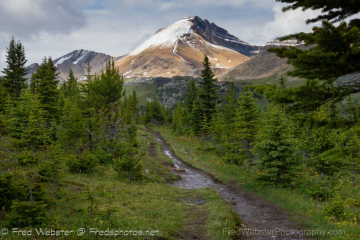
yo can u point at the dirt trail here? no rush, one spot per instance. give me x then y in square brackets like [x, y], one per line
[261, 219]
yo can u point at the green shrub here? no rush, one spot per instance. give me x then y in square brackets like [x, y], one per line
[27, 158]
[335, 208]
[129, 164]
[10, 190]
[85, 163]
[104, 157]
[320, 191]
[25, 214]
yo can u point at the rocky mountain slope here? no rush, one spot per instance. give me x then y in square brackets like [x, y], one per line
[179, 49]
[263, 65]
[77, 61]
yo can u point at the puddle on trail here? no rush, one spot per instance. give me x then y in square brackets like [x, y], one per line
[252, 210]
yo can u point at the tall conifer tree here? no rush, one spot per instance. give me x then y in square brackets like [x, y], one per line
[14, 81]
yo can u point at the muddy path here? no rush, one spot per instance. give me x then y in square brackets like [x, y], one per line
[261, 219]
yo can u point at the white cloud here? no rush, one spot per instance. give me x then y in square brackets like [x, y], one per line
[286, 23]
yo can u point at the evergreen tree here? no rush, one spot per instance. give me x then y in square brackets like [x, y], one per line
[246, 126]
[191, 94]
[3, 95]
[177, 125]
[217, 127]
[72, 122]
[196, 117]
[134, 103]
[208, 94]
[230, 106]
[45, 83]
[31, 122]
[14, 81]
[331, 10]
[333, 52]
[279, 162]
[155, 112]
[71, 88]
[129, 163]
[107, 89]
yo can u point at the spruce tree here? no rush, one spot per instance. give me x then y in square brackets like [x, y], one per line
[191, 95]
[279, 162]
[72, 130]
[71, 88]
[217, 127]
[107, 89]
[14, 81]
[246, 126]
[177, 125]
[196, 117]
[31, 122]
[230, 106]
[46, 87]
[333, 52]
[208, 94]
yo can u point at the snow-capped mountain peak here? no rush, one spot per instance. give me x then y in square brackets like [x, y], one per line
[166, 37]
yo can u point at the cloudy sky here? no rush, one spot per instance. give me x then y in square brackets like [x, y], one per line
[115, 27]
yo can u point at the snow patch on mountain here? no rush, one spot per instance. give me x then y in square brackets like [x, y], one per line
[82, 55]
[61, 60]
[285, 43]
[127, 72]
[166, 37]
[175, 50]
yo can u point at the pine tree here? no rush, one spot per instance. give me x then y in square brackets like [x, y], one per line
[107, 89]
[196, 117]
[177, 125]
[134, 103]
[32, 134]
[72, 122]
[230, 106]
[246, 126]
[14, 81]
[155, 112]
[279, 162]
[208, 95]
[333, 52]
[331, 10]
[45, 83]
[71, 88]
[129, 163]
[191, 94]
[217, 127]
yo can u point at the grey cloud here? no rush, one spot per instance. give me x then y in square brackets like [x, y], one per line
[28, 19]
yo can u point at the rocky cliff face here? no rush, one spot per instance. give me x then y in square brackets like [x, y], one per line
[219, 36]
[78, 61]
[30, 70]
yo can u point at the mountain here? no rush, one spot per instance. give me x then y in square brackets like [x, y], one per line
[263, 65]
[78, 61]
[179, 49]
[30, 70]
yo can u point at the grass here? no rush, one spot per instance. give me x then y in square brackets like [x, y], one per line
[147, 204]
[306, 211]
